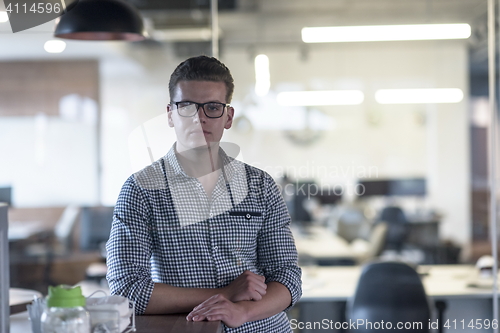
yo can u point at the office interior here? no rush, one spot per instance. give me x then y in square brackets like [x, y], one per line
[363, 181]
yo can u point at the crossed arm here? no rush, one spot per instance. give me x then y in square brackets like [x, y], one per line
[247, 298]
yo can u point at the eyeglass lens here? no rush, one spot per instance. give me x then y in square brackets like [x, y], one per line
[189, 109]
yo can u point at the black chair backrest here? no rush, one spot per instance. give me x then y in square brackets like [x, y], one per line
[398, 227]
[393, 214]
[392, 293]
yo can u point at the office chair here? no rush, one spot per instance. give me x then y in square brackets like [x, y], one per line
[95, 227]
[391, 292]
[398, 227]
[352, 224]
[376, 242]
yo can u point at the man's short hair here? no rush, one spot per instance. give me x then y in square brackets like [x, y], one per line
[202, 68]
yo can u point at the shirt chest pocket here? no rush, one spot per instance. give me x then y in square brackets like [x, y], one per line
[246, 226]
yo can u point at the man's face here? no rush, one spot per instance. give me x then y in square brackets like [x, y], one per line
[198, 130]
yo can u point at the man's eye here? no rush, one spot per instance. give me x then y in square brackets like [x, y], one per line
[214, 107]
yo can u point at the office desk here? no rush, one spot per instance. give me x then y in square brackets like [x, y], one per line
[21, 230]
[338, 283]
[19, 298]
[27, 222]
[322, 244]
[174, 324]
[19, 323]
[326, 290]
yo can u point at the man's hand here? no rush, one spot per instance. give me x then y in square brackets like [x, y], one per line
[246, 287]
[219, 307]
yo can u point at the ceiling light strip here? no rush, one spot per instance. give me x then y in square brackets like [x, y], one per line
[376, 33]
[325, 97]
[419, 96]
[262, 75]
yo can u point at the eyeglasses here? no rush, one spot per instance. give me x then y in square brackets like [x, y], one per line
[211, 109]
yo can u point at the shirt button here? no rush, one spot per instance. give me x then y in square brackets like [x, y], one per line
[211, 214]
[215, 248]
[248, 216]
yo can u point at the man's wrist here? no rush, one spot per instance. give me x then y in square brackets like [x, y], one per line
[248, 309]
[224, 291]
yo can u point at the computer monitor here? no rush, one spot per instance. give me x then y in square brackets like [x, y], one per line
[6, 195]
[386, 187]
[329, 195]
[95, 226]
[373, 187]
[4, 270]
[408, 186]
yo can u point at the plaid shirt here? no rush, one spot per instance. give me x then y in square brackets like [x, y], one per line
[166, 230]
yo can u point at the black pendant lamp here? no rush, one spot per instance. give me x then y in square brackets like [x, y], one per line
[101, 20]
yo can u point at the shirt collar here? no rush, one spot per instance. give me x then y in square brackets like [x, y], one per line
[171, 159]
[227, 162]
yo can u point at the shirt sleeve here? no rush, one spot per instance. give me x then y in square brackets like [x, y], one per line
[277, 253]
[129, 247]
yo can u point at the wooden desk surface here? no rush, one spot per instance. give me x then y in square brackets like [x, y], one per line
[174, 324]
[19, 323]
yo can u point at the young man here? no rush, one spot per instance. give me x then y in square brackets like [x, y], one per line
[198, 231]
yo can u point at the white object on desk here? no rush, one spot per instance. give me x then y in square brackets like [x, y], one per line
[21, 296]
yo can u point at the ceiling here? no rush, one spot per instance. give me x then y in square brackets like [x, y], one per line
[253, 23]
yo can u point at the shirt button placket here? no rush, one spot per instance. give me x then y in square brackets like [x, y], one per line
[215, 248]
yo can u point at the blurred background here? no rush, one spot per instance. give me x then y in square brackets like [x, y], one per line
[363, 176]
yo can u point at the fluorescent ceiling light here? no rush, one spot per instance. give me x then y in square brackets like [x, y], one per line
[3, 16]
[376, 33]
[184, 34]
[262, 75]
[325, 97]
[419, 96]
[54, 46]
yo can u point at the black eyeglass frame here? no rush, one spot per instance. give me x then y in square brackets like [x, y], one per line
[202, 105]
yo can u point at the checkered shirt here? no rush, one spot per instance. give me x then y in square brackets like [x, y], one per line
[166, 230]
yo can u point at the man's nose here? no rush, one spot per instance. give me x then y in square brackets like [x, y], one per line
[200, 114]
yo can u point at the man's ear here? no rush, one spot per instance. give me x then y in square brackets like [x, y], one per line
[230, 116]
[169, 115]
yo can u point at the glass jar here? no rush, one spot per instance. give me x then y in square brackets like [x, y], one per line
[65, 312]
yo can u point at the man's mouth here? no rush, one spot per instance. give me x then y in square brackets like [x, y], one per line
[200, 132]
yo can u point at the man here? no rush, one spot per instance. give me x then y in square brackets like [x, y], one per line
[198, 231]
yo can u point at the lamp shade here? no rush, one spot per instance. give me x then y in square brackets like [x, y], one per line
[101, 20]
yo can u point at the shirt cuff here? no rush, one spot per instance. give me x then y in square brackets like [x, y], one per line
[139, 292]
[290, 278]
